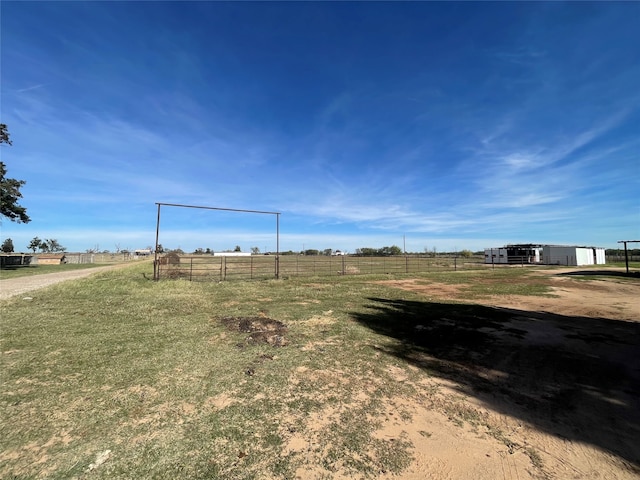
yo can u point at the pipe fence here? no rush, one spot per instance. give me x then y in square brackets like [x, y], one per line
[222, 268]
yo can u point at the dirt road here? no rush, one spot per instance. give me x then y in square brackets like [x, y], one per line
[18, 286]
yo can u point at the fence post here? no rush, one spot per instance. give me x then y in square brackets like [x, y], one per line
[191, 270]
[344, 270]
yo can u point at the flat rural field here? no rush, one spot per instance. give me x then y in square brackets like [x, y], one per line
[512, 373]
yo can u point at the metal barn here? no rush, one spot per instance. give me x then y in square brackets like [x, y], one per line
[546, 254]
[514, 254]
[573, 256]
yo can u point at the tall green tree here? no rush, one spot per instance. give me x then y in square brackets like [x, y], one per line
[10, 189]
[7, 246]
[51, 245]
[34, 244]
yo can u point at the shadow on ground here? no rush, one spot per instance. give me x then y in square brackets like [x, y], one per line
[602, 273]
[573, 377]
[18, 267]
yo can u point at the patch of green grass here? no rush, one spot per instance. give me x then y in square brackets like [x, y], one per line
[534, 288]
[632, 265]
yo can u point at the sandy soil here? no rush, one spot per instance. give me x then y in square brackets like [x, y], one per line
[554, 392]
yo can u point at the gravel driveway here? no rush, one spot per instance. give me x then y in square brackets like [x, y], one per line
[17, 286]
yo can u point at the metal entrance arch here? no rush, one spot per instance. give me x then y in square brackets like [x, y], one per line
[156, 271]
[626, 255]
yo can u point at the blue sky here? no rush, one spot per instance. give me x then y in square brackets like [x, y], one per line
[448, 125]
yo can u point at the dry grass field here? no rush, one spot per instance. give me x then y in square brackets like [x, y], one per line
[512, 373]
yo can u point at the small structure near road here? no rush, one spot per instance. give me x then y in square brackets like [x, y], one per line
[52, 259]
[15, 259]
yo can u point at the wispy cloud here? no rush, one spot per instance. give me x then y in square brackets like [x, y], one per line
[30, 88]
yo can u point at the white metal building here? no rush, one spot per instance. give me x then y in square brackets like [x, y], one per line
[573, 256]
[495, 255]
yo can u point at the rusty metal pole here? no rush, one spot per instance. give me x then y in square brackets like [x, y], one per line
[156, 272]
[277, 245]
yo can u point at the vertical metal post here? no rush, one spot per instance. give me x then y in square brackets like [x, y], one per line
[626, 257]
[156, 270]
[277, 245]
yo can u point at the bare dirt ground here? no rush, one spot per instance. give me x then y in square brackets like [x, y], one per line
[549, 386]
[17, 286]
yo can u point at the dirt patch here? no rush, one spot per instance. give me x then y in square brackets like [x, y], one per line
[570, 296]
[440, 290]
[526, 386]
[259, 329]
[219, 402]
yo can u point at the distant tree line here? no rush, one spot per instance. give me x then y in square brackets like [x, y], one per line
[379, 252]
[361, 252]
[45, 246]
[50, 245]
[618, 252]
